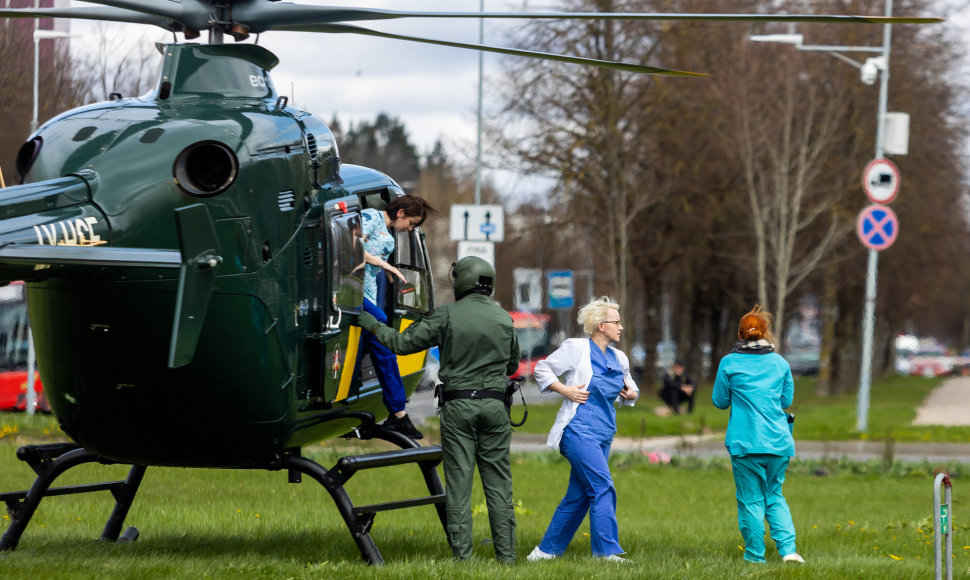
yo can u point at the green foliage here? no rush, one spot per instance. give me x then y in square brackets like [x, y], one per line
[21, 428]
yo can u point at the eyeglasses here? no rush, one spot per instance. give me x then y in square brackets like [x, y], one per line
[616, 322]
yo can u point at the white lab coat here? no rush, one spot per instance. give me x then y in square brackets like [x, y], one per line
[571, 362]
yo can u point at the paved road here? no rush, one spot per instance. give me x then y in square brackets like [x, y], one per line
[947, 405]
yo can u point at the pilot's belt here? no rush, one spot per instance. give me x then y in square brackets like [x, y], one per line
[472, 394]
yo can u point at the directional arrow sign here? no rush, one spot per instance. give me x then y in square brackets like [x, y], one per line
[880, 180]
[877, 227]
[477, 223]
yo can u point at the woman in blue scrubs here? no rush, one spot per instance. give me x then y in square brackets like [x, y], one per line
[595, 375]
[756, 383]
[403, 214]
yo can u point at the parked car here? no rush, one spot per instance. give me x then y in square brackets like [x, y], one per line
[931, 362]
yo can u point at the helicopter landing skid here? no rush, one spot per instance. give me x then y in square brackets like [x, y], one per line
[51, 460]
[360, 518]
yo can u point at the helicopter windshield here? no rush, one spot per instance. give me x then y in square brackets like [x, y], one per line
[203, 72]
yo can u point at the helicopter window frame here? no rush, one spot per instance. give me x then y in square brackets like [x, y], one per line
[412, 262]
[345, 270]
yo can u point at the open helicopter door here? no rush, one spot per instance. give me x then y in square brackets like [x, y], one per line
[342, 243]
[412, 300]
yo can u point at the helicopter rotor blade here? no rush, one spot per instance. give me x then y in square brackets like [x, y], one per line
[193, 14]
[281, 16]
[629, 67]
[105, 13]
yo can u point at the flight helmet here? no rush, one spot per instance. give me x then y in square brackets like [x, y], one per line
[472, 274]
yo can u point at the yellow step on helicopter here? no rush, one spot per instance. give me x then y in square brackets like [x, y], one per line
[190, 255]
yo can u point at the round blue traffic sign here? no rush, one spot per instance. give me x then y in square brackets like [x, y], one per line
[877, 227]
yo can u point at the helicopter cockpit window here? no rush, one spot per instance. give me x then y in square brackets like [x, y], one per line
[200, 73]
[347, 261]
[416, 294]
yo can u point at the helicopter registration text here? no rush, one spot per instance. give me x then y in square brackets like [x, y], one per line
[76, 232]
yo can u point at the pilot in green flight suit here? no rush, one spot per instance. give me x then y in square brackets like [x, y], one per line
[478, 349]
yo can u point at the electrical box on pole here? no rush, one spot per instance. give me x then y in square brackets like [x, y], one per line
[897, 134]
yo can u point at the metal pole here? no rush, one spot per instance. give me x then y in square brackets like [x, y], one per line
[33, 120]
[942, 525]
[31, 366]
[478, 156]
[869, 315]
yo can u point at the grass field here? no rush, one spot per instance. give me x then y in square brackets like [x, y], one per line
[854, 519]
[676, 521]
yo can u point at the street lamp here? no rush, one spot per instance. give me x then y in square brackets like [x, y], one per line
[39, 35]
[868, 72]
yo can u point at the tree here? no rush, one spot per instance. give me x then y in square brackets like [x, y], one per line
[115, 64]
[589, 127]
[785, 124]
[383, 145]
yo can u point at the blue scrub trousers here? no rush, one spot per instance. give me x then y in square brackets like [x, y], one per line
[590, 490]
[758, 480]
[385, 363]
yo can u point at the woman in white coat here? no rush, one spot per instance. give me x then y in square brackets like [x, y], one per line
[595, 375]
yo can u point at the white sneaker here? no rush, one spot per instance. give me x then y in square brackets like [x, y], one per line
[793, 558]
[614, 558]
[538, 554]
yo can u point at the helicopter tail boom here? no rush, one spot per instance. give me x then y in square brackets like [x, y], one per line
[51, 229]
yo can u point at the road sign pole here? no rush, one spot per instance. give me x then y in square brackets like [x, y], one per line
[865, 371]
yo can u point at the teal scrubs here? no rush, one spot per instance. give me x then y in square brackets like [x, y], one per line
[758, 387]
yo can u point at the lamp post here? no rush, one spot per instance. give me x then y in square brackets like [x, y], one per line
[869, 71]
[38, 36]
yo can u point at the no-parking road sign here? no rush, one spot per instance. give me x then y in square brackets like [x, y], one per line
[877, 227]
[880, 180]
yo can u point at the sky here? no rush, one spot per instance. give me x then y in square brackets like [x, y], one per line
[432, 90]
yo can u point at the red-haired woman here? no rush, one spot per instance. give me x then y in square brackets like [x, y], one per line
[757, 384]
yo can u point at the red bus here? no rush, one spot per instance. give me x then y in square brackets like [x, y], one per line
[14, 347]
[534, 341]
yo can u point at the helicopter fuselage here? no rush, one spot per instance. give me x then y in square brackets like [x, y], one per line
[274, 366]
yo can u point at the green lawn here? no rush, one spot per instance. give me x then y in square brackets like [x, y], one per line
[892, 408]
[854, 519]
[676, 521]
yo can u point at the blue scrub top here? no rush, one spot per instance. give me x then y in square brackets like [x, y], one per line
[596, 418]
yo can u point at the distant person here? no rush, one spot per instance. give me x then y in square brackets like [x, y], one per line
[594, 375]
[677, 389]
[402, 214]
[756, 383]
[479, 349]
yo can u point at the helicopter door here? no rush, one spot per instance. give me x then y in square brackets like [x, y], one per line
[345, 270]
[414, 299]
